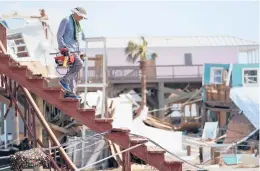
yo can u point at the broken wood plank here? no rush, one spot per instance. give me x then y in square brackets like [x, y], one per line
[2, 48]
[114, 150]
[193, 95]
[154, 122]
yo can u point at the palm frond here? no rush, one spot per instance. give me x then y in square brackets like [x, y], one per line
[134, 51]
[130, 58]
[144, 43]
[154, 56]
[136, 56]
[131, 48]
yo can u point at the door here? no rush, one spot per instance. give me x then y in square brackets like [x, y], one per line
[188, 59]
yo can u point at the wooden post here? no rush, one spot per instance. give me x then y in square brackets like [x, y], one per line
[203, 116]
[252, 148]
[16, 128]
[214, 156]
[3, 38]
[106, 98]
[190, 109]
[25, 117]
[188, 150]
[126, 163]
[98, 66]
[34, 128]
[212, 159]
[16, 117]
[201, 154]
[161, 99]
[38, 125]
[222, 120]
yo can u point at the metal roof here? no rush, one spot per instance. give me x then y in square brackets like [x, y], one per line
[198, 41]
[2, 22]
[176, 41]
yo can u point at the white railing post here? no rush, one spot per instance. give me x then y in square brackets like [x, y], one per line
[86, 76]
[102, 85]
[104, 80]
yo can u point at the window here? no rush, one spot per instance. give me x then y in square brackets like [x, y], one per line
[250, 76]
[188, 59]
[216, 74]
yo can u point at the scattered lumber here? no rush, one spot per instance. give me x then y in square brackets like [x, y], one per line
[154, 122]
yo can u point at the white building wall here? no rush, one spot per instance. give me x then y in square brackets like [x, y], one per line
[249, 57]
[175, 55]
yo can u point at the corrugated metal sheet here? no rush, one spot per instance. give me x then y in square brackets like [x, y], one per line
[118, 42]
[247, 100]
[2, 22]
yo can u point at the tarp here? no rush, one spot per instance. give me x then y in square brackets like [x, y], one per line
[4, 23]
[14, 23]
[247, 100]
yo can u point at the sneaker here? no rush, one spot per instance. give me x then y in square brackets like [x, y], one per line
[64, 86]
[70, 95]
[7, 96]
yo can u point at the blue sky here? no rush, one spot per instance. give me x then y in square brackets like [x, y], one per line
[151, 18]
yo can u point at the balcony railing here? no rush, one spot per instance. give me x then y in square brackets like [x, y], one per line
[217, 94]
[153, 72]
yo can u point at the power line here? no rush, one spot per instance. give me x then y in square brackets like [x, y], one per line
[128, 149]
[82, 139]
[64, 144]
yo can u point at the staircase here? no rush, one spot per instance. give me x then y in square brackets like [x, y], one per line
[38, 85]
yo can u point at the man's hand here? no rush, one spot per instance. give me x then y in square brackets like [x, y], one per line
[82, 57]
[64, 51]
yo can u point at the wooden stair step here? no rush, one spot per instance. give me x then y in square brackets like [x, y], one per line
[35, 77]
[56, 93]
[125, 130]
[22, 71]
[104, 125]
[13, 61]
[2, 55]
[155, 149]
[18, 66]
[170, 159]
[138, 140]
[69, 99]
[90, 113]
[70, 103]
[52, 89]
[86, 110]
[36, 82]
[108, 120]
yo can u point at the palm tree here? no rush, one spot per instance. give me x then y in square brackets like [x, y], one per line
[134, 52]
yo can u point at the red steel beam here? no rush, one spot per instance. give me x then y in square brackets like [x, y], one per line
[22, 116]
